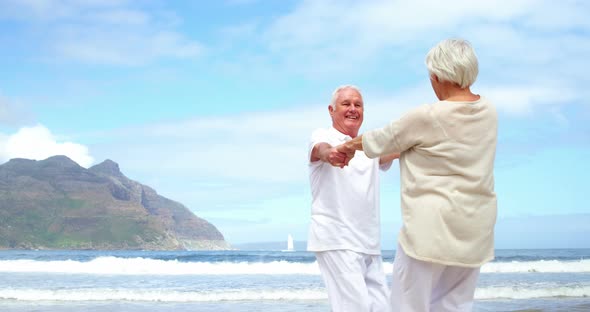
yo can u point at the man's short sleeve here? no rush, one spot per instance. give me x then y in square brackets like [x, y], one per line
[318, 136]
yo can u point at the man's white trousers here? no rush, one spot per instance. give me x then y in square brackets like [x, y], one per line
[355, 281]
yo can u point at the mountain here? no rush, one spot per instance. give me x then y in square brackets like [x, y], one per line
[57, 204]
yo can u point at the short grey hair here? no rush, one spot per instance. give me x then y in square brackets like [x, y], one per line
[337, 91]
[453, 60]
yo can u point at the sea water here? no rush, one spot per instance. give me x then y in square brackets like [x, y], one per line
[517, 280]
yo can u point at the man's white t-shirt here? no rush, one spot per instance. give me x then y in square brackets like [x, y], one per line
[345, 201]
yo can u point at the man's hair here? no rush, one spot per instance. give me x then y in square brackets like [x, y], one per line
[337, 91]
[453, 60]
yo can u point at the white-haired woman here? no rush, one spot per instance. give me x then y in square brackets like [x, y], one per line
[447, 185]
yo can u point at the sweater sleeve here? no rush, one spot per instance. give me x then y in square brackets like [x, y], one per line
[399, 135]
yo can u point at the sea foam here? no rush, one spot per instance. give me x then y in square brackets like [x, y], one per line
[166, 295]
[145, 266]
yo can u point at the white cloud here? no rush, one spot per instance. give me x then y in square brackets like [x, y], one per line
[122, 17]
[552, 16]
[109, 32]
[520, 100]
[102, 46]
[537, 49]
[358, 25]
[328, 33]
[52, 10]
[264, 147]
[39, 143]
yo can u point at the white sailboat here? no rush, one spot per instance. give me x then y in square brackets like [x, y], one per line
[289, 244]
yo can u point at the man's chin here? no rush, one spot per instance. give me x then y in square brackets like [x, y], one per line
[353, 124]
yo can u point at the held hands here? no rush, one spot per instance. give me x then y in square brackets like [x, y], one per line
[340, 155]
[347, 150]
[337, 156]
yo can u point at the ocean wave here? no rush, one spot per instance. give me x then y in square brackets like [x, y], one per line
[160, 295]
[146, 266]
[164, 295]
[541, 266]
[523, 292]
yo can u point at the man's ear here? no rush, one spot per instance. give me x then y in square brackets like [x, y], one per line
[434, 78]
[331, 110]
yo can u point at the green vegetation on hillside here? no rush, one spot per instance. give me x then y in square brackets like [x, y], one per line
[56, 204]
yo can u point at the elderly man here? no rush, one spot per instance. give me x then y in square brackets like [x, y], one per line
[345, 222]
[447, 185]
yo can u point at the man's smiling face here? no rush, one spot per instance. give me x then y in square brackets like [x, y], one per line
[347, 113]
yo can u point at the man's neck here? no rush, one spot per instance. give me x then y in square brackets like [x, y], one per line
[352, 134]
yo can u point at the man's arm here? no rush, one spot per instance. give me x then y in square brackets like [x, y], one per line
[327, 153]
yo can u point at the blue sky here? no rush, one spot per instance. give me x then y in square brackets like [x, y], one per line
[212, 102]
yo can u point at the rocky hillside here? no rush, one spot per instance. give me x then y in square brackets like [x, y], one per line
[57, 204]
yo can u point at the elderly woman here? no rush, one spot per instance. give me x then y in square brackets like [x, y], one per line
[447, 185]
